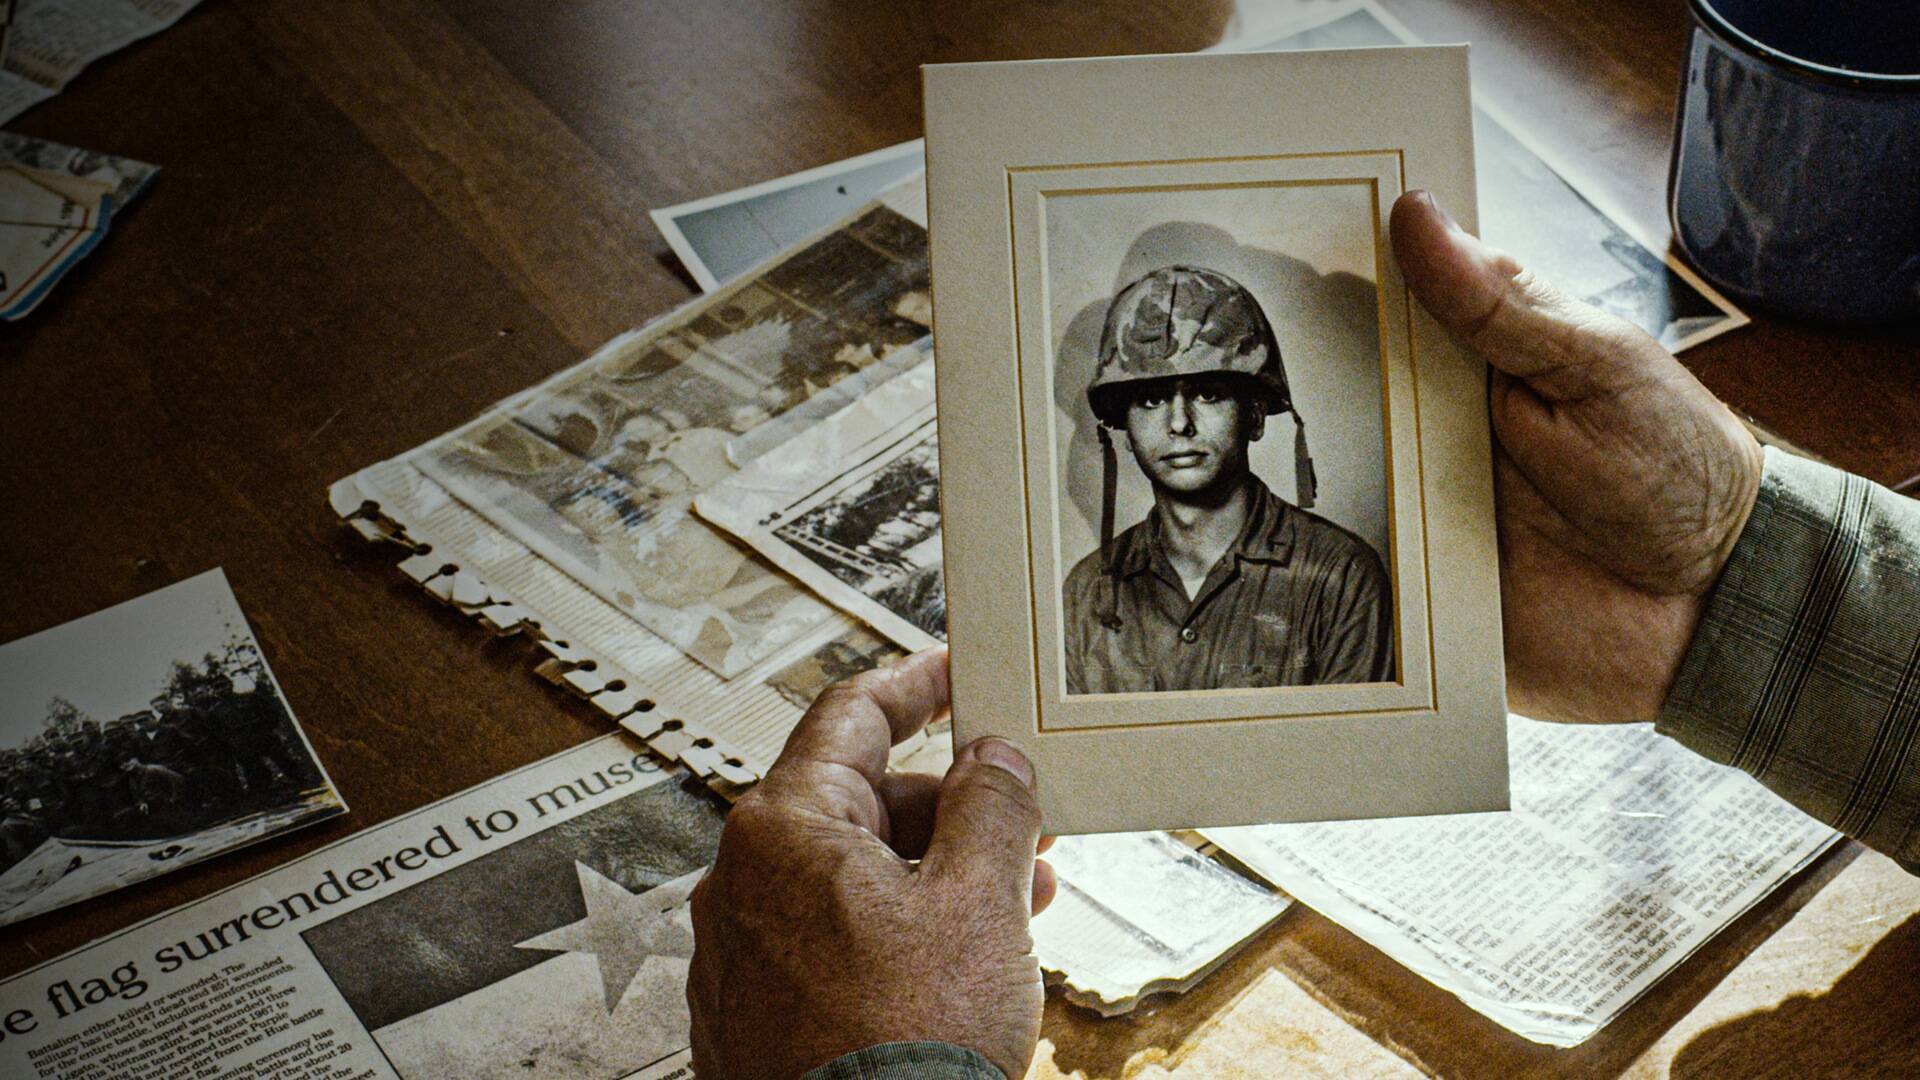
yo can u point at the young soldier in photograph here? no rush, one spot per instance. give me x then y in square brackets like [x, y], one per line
[1223, 583]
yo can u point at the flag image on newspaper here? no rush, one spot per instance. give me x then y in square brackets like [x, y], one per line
[533, 926]
[851, 507]
[584, 974]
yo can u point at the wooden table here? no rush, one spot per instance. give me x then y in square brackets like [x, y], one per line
[378, 216]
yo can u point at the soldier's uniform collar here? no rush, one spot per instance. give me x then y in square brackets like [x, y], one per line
[1267, 535]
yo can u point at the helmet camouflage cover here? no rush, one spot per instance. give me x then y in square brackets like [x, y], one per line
[1184, 321]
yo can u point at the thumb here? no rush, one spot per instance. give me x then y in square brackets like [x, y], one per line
[986, 824]
[1563, 349]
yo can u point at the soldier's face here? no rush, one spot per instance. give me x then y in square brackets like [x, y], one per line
[1190, 436]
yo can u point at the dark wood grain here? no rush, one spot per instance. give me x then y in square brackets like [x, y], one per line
[378, 216]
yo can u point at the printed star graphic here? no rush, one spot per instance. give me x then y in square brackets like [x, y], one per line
[623, 930]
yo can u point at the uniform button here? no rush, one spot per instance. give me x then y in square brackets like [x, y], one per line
[1189, 635]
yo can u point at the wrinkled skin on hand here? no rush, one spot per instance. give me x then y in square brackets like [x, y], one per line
[1622, 482]
[817, 933]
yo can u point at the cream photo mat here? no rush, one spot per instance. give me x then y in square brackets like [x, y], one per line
[1000, 136]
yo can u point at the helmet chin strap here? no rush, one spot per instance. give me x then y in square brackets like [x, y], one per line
[1109, 615]
[1306, 485]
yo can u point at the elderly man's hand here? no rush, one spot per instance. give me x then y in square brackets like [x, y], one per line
[815, 933]
[1623, 483]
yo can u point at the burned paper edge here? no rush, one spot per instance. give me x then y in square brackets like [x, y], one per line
[582, 672]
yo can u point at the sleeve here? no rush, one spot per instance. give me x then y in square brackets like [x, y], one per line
[1356, 638]
[909, 1061]
[1074, 612]
[1805, 671]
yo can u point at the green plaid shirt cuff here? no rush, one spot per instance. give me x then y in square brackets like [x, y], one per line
[1805, 671]
[909, 1061]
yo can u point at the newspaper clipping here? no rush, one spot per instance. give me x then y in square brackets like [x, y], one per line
[52, 41]
[1622, 855]
[534, 926]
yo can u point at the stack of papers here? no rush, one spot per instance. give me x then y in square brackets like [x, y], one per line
[56, 203]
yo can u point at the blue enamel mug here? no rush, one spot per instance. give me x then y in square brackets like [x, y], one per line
[1795, 181]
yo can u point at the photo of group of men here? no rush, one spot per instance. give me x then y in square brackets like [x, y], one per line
[215, 745]
[139, 739]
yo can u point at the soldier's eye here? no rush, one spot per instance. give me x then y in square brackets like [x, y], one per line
[1150, 401]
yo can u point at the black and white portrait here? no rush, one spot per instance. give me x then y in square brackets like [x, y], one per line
[1220, 441]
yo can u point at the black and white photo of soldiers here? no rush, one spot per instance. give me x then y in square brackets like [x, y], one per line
[216, 744]
[140, 739]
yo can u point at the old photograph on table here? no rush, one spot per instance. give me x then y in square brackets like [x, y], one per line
[141, 739]
[723, 236]
[851, 507]
[1222, 496]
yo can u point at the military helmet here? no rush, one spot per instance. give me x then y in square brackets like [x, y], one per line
[1185, 321]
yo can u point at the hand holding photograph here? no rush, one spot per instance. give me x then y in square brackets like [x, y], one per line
[1217, 495]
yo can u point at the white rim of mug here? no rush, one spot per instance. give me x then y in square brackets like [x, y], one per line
[1718, 24]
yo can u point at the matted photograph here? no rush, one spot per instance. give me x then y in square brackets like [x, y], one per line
[141, 739]
[1217, 493]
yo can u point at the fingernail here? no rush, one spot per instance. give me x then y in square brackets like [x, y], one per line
[1001, 754]
[1439, 211]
